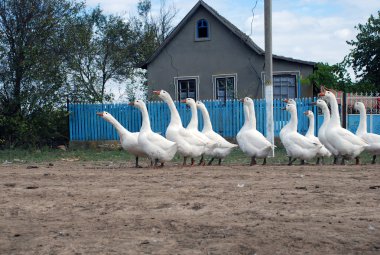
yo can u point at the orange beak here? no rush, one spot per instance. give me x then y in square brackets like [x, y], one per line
[322, 94]
[131, 103]
[156, 92]
[99, 114]
[183, 101]
[285, 100]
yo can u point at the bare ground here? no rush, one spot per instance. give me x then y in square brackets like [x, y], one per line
[105, 208]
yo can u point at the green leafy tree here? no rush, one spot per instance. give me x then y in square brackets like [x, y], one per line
[107, 51]
[365, 56]
[32, 73]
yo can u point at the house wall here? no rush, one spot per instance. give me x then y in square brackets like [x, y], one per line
[224, 53]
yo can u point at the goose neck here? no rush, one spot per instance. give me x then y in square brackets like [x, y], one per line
[119, 128]
[252, 116]
[193, 124]
[145, 126]
[362, 129]
[206, 119]
[293, 121]
[335, 117]
[246, 116]
[310, 131]
[175, 119]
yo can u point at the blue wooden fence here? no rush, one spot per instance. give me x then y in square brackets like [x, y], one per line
[226, 117]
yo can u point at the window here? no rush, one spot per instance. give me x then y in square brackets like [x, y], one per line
[187, 89]
[202, 30]
[284, 86]
[225, 87]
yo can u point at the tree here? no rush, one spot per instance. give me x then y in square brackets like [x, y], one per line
[31, 68]
[107, 50]
[365, 56]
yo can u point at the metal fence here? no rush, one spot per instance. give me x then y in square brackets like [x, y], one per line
[227, 118]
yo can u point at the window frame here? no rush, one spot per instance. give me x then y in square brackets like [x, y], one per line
[182, 78]
[199, 39]
[297, 75]
[214, 90]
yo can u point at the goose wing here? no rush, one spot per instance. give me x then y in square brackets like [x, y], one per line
[350, 137]
[160, 141]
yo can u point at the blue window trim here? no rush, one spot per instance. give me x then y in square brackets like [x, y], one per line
[201, 24]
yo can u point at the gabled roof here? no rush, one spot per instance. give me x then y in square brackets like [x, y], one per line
[245, 38]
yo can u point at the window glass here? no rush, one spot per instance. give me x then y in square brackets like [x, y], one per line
[225, 88]
[187, 89]
[284, 86]
[202, 28]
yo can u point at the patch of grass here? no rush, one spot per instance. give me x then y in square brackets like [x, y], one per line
[118, 155]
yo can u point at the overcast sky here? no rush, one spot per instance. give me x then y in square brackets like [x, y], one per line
[313, 30]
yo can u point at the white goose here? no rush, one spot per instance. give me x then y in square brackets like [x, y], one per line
[346, 143]
[128, 140]
[157, 147]
[321, 131]
[323, 152]
[188, 144]
[251, 141]
[223, 147]
[193, 128]
[296, 145]
[372, 139]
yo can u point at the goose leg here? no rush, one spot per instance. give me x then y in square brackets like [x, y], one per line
[192, 161]
[335, 160]
[264, 161]
[323, 160]
[201, 162]
[374, 159]
[302, 162]
[253, 161]
[343, 162]
[184, 161]
[137, 163]
[357, 160]
[210, 162]
[162, 164]
[318, 159]
[155, 162]
[220, 162]
[290, 161]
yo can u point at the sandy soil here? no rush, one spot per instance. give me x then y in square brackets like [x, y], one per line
[105, 208]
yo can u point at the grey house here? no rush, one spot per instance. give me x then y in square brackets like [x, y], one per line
[207, 57]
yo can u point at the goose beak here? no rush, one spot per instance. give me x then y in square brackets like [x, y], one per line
[313, 103]
[99, 114]
[131, 103]
[306, 113]
[285, 100]
[322, 94]
[242, 100]
[156, 92]
[183, 101]
[283, 108]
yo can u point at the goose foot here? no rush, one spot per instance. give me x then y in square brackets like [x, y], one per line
[220, 162]
[373, 159]
[192, 161]
[210, 162]
[335, 160]
[162, 164]
[291, 161]
[253, 161]
[155, 162]
[264, 161]
[184, 161]
[318, 161]
[357, 162]
[302, 162]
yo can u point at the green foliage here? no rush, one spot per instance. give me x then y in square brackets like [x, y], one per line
[365, 56]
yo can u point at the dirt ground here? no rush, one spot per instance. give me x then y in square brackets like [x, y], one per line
[111, 208]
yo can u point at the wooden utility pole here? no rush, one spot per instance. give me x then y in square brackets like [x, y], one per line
[269, 71]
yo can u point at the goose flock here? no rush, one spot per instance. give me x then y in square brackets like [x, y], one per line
[332, 140]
